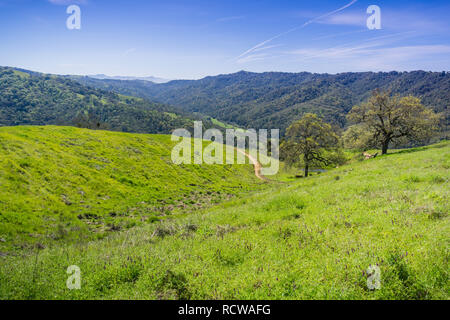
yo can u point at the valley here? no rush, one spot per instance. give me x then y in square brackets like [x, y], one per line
[223, 159]
[88, 183]
[275, 99]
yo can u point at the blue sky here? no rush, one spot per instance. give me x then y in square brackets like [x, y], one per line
[192, 39]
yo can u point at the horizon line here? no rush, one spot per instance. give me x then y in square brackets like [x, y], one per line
[215, 75]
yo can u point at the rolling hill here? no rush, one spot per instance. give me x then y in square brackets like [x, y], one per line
[311, 239]
[70, 184]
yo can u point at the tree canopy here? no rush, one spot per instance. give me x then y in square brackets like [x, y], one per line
[385, 119]
[308, 142]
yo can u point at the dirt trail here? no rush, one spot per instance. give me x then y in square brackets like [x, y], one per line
[256, 165]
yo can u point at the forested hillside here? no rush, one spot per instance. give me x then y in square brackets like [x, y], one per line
[274, 100]
[249, 100]
[29, 98]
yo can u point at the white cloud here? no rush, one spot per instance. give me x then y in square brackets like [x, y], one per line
[252, 58]
[267, 47]
[373, 57]
[226, 19]
[67, 2]
[368, 50]
[129, 51]
[348, 19]
[405, 58]
[350, 49]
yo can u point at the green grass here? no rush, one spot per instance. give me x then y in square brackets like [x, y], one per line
[221, 124]
[225, 125]
[310, 239]
[70, 185]
[21, 74]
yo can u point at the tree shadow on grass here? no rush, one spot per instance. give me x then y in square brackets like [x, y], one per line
[417, 149]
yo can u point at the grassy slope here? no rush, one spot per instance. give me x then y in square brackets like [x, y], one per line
[311, 239]
[60, 183]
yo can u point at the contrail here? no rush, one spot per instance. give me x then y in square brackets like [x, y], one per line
[296, 28]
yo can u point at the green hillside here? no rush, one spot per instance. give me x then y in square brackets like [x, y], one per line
[310, 239]
[69, 184]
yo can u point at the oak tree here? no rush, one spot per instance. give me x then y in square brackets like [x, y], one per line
[309, 141]
[385, 119]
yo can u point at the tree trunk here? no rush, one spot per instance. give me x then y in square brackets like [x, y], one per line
[306, 170]
[385, 147]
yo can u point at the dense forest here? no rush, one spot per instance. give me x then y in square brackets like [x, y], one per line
[274, 100]
[30, 98]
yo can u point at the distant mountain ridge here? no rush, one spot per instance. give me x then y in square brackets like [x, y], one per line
[150, 78]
